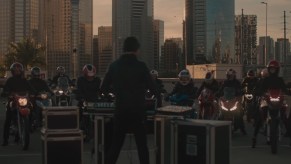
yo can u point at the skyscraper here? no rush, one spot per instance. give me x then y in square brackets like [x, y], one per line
[133, 18]
[66, 31]
[18, 19]
[209, 31]
[104, 48]
[280, 52]
[270, 50]
[158, 42]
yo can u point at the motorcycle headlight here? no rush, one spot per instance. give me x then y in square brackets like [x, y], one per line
[43, 96]
[234, 107]
[60, 92]
[249, 96]
[274, 99]
[22, 101]
[223, 107]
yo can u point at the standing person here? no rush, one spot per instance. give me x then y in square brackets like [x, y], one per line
[15, 84]
[129, 78]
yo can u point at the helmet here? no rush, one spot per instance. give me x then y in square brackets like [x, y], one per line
[251, 73]
[16, 69]
[154, 73]
[61, 70]
[230, 74]
[184, 77]
[35, 71]
[89, 70]
[264, 73]
[209, 76]
[273, 67]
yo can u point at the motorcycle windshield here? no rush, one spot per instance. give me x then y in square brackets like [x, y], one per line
[229, 93]
[63, 83]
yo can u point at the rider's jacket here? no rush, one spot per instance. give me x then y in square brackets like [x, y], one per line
[271, 82]
[16, 84]
[234, 83]
[39, 85]
[188, 89]
[88, 90]
[213, 86]
[250, 83]
[56, 77]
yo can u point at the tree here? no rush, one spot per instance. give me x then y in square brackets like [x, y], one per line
[26, 52]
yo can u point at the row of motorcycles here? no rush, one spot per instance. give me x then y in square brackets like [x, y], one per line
[231, 108]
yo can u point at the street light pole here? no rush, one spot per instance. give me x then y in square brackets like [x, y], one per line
[265, 50]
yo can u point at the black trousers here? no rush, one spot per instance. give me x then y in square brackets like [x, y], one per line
[123, 125]
[10, 115]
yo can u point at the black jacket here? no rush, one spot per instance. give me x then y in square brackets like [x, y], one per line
[250, 83]
[129, 78]
[234, 83]
[56, 77]
[88, 90]
[213, 86]
[17, 84]
[271, 82]
[39, 85]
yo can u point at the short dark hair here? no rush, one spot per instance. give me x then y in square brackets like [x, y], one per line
[131, 44]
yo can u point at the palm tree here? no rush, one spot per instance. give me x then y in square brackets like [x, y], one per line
[26, 52]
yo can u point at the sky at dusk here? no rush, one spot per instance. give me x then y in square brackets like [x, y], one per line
[172, 11]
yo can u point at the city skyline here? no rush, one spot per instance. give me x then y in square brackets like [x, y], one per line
[102, 15]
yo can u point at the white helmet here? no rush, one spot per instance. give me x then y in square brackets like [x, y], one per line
[154, 72]
[184, 77]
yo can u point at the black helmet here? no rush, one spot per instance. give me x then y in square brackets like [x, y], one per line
[251, 73]
[35, 72]
[230, 74]
[16, 69]
[273, 67]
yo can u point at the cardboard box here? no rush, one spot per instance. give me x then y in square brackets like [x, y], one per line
[61, 118]
[62, 147]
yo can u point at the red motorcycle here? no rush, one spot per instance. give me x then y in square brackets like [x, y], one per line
[276, 107]
[21, 103]
[208, 105]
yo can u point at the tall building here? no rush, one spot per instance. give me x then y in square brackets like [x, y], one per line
[269, 49]
[158, 42]
[246, 39]
[282, 50]
[133, 18]
[66, 31]
[18, 19]
[95, 53]
[209, 31]
[104, 49]
[171, 57]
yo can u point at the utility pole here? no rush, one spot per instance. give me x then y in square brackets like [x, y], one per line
[285, 46]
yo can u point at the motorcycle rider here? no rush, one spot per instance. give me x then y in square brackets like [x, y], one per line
[184, 89]
[273, 81]
[248, 85]
[232, 82]
[211, 84]
[15, 84]
[60, 73]
[159, 85]
[39, 85]
[88, 90]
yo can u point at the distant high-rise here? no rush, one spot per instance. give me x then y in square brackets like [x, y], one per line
[18, 19]
[270, 50]
[158, 42]
[67, 30]
[104, 48]
[133, 18]
[209, 31]
[246, 39]
[280, 52]
[95, 52]
[171, 56]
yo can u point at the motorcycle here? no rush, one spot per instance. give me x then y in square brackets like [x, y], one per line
[42, 99]
[276, 107]
[184, 100]
[208, 105]
[21, 103]
[249, 105]
[229, 106]
[62, 93]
